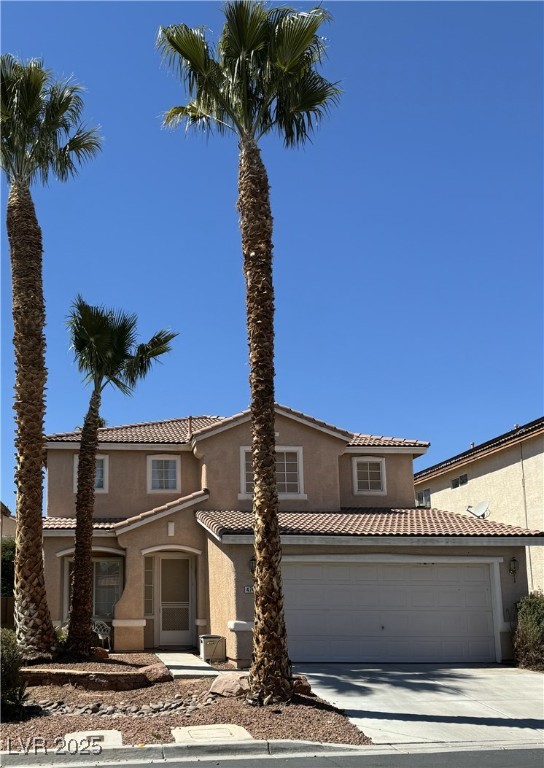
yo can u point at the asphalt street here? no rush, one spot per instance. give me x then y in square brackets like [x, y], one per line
[467, 758]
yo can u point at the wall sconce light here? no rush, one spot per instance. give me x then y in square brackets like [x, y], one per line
[252, 566]
[514, 567]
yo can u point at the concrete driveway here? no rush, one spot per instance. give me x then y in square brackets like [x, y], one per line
[428, 703]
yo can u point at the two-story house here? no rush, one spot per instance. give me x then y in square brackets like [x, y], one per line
[501, 479]
[367, 576]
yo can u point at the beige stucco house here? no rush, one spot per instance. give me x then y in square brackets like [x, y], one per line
[501, 479]
[367, 575]
[7, 521]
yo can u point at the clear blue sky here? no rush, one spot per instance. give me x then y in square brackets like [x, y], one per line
[408, 235]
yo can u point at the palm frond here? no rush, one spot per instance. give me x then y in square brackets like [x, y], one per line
[188, 51]
[105, 346]
[40, 123]
[143, 357]
[263, 76]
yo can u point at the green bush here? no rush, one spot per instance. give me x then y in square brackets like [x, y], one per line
[8, 558]
[13, 688]
[529, 635]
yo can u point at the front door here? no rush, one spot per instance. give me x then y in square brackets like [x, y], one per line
[175, 601]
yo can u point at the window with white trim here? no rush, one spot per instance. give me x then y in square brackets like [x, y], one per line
[101, 477]
[423, 498]
[107, 585]
[369, 475]
[289, 475]
[163, 474]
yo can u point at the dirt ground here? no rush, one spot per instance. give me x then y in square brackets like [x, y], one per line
[166, 706]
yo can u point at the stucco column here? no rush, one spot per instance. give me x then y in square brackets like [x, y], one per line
[202, 608]
[129, 619]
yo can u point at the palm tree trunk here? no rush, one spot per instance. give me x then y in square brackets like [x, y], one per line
[81, 600]
[35, 633]
[270, 673]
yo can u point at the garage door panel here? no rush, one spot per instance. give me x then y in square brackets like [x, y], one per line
[476, 573]
[388, 612]
[476, 598]
[479, 624]
[394, 597]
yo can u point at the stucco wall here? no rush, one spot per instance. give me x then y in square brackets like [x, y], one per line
[512, 481]
[398, 481]
[221, 455]
[222, 601]
[127, 494]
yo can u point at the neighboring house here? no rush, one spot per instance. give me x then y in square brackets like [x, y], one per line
[505, 476]
[7, 521]
[367, 576]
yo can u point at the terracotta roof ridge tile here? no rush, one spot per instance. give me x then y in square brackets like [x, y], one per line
[196, 496]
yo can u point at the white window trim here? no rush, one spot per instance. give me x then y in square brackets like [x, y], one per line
[163, 457]
[301, 496]
[106, 460]
[355, 461]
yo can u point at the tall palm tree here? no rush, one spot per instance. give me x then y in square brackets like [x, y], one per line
[41, 135]
[105, 349]
[262, 78]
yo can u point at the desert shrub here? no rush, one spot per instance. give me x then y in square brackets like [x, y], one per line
[13, 687]
[529, 634]
[8, 565]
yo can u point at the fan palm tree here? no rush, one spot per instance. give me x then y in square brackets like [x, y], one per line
[41, 135]
[262, 78]
[105, 349]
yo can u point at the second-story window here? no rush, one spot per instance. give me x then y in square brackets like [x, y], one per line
[163, 474]
[101, 477]
[423, 498]
[457, 481]
[289, 476]
[369, 475]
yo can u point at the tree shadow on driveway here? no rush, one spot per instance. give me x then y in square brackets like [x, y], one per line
[362, 679]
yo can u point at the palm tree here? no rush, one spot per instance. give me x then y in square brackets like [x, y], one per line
[41, 135]
[262, 78]
[105, 348]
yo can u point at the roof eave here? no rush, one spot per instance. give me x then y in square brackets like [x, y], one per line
[399, 540]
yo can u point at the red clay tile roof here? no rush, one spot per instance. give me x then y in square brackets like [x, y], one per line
[69, 523]
[364, 522]
[179, 431]
[385, 442]
[516, 435]
[169, 431]
[191, 498]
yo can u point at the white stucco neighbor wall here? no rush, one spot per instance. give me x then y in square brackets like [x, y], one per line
[512, 481]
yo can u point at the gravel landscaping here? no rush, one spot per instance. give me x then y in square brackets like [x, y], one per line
[146, 715]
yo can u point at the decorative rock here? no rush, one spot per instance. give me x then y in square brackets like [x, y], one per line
[230, 684]
[157, 673]
[99, 653]
[301, 685]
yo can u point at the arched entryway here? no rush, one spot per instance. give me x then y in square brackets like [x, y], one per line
[170, 597]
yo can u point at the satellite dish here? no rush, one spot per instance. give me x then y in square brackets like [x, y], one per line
[480, 510]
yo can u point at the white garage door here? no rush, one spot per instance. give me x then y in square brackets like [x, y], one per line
[388, 613]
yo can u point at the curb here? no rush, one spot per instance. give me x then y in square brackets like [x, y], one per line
[150, 753]
[160, 752]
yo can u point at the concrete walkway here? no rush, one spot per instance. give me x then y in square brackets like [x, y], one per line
[428, 703]
[186, 665]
